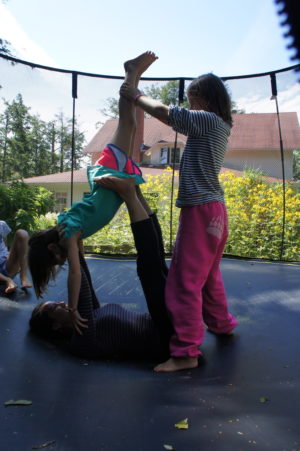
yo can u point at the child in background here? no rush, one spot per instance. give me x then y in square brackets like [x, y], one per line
[49, 248]
[195, 293]
[14, 260]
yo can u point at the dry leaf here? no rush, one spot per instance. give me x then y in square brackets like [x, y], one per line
[263, 399]
[183, 424]
[169, 447]
[44, 445]
[18, 402]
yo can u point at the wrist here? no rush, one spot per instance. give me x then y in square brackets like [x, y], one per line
[136, 98]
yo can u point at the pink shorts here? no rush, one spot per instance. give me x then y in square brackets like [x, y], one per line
[114, 157]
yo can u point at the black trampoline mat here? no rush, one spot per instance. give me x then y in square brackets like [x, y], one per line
[245, 396]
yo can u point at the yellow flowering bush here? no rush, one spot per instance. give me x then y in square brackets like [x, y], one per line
[255, 211]
[117, 238]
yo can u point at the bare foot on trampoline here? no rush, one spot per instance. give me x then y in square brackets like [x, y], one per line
[177, 364]
[25, 283]
[11, 286]
[230, 333]
[140, 64]
[124, 187]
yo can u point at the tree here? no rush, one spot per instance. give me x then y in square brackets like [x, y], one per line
[4, 131]
[19, 144]
[111, 109]
[64, 141]
[235, 109]
[168, 94]
[21, 203]
[5, 47]
[30, 146]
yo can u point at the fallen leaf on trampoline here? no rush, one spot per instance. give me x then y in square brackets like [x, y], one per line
[183, 424]
[169, 447]
[44, 445]
[263, 399]
[18, 402]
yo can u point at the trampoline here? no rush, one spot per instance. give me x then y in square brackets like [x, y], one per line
[244, 396]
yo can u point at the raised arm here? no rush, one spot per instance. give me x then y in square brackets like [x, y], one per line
[151, 106]
[74, 281]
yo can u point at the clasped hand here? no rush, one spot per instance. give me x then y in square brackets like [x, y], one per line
[77, 321]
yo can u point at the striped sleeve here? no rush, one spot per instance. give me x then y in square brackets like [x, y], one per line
[192, 122]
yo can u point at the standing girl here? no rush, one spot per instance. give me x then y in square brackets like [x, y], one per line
[195, 293]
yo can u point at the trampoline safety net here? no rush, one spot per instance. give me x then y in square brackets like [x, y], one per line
[54, 123]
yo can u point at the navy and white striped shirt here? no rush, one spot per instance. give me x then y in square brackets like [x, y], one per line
[113, 331]
[203, 155]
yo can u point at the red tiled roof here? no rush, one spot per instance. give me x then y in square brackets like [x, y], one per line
[79, 176]
[257, 131]
[154, 132]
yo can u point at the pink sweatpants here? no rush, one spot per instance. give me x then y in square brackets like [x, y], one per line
[195, 293]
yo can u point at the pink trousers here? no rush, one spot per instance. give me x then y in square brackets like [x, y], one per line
[195, 293]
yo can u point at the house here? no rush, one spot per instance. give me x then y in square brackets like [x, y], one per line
[60, 185]
[254, 142]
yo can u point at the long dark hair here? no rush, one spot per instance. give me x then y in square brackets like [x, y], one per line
[41, 325]
[212, 91]
[41, 261]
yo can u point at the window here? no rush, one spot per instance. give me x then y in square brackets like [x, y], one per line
[167, 155]
[177, 155]
[60, 201]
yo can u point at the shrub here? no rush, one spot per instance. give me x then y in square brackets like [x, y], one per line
[21, 204]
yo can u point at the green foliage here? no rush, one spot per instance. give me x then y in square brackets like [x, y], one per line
[41, 147]
[167, 94]
[296, 164]
[116, 237]
[255, 212]
[20, 204]
[5, 47]
[111, 109]
[45, 221]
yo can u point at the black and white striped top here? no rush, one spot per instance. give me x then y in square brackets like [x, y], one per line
[113, 331]
[203, 155]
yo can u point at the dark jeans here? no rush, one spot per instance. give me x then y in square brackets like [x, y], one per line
[152, 271]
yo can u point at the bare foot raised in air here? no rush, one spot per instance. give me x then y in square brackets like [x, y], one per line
[124, 187]
[177, 364]
[139, 64]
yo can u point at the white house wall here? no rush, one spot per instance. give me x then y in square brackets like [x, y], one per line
[269, 161]
[78, 190]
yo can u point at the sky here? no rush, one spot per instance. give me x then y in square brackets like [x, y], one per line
[227, 37]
